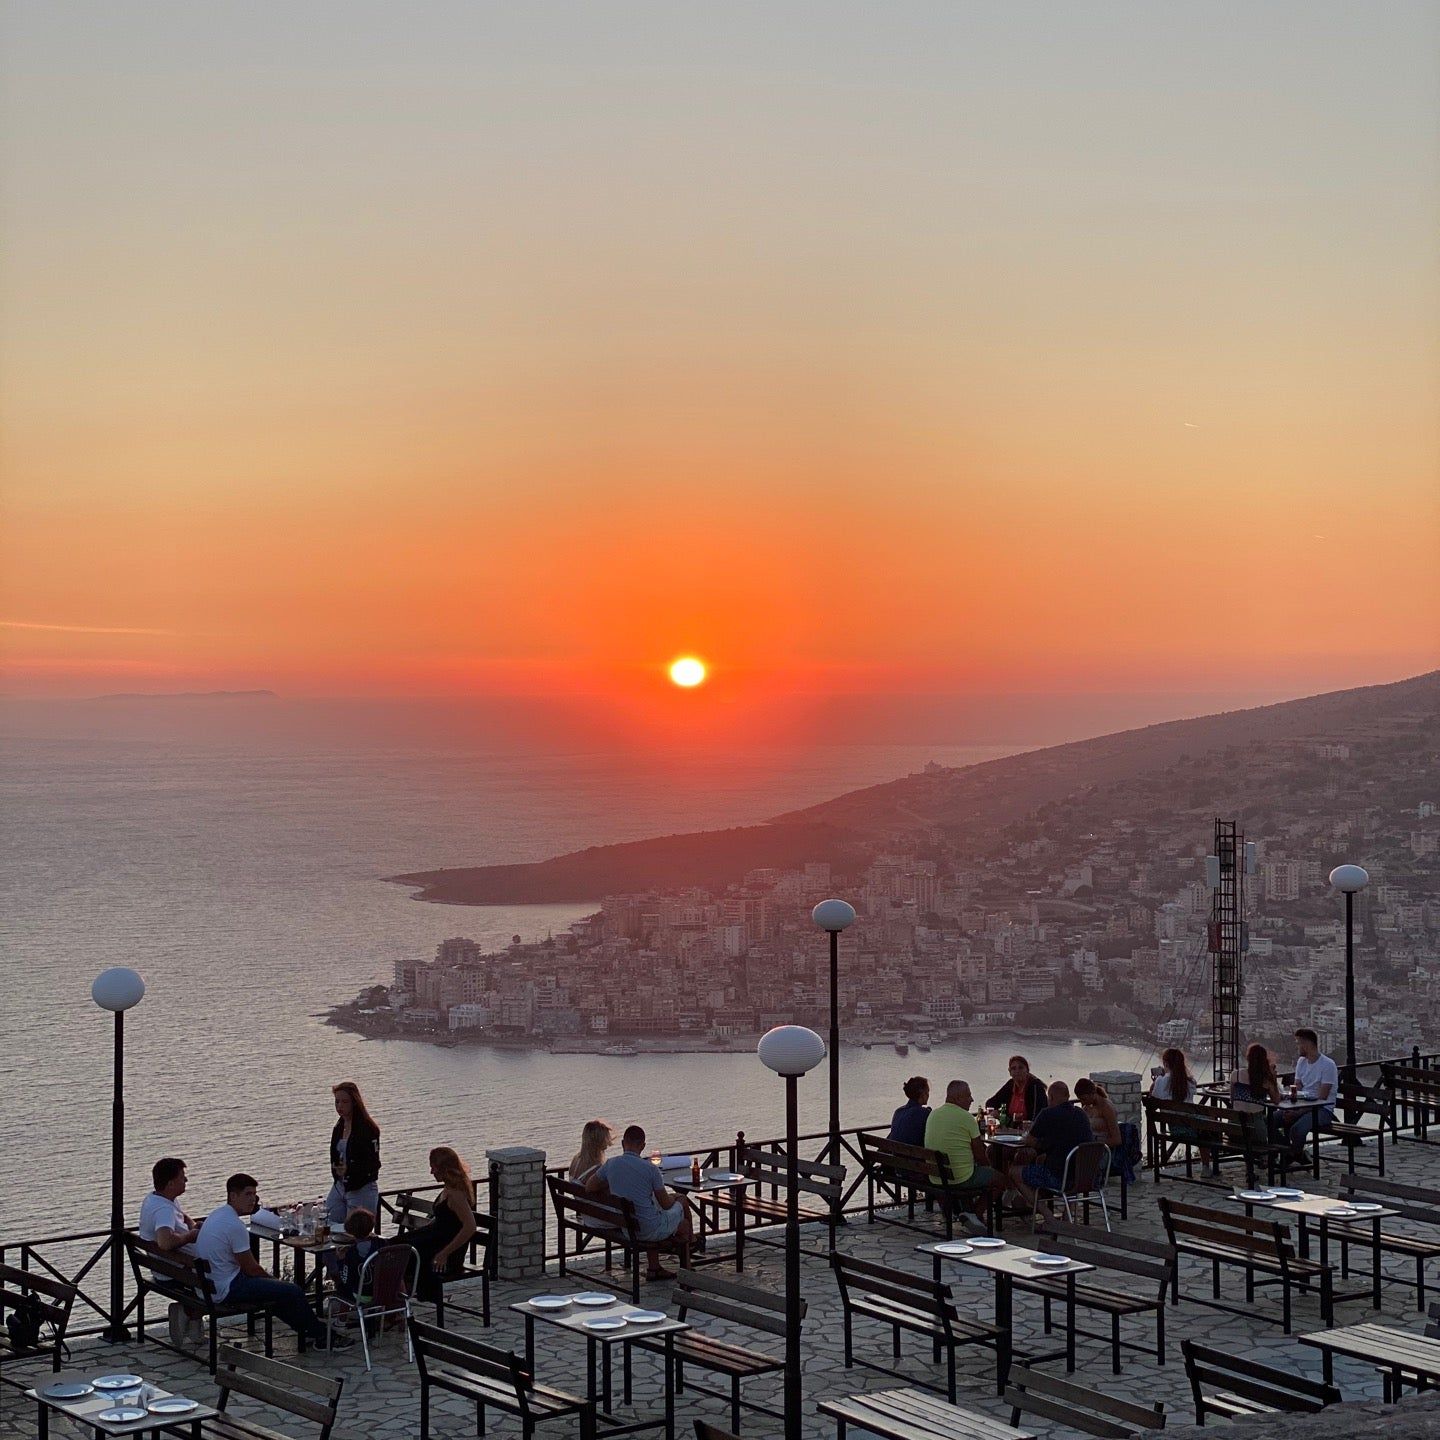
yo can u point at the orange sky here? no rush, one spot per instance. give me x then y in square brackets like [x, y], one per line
[480, 357]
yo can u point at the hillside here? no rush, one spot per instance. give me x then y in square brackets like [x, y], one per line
[969, 804]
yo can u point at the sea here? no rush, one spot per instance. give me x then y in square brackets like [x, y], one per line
[245, 880]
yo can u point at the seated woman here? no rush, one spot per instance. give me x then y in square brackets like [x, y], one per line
[1105, 1124]
[1022, 1097]
[1175, 1082]
[443, 1240]
[1251, 1087]
[907, 1125]
[595, 1139]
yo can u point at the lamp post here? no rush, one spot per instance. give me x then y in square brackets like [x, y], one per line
[1349, 879]
[791, 1051]
[834, 916]
[117, 990]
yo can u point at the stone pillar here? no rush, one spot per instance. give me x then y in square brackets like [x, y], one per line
[519, 1175]
[1123, 1088]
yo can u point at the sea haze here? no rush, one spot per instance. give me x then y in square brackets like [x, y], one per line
[241, 874]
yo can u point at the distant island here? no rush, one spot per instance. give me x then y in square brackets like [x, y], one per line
[191, 695]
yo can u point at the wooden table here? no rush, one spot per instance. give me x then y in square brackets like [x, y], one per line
[911, 1413]
[302, 1245]
[85, 1410]
[597, 1349]
[1400, 1357]
[1006, 1264]
[1322, 1208]
[713, 1182]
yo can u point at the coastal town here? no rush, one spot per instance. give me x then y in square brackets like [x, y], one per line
[1089, 915]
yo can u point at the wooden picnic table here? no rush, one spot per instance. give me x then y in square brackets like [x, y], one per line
[1402, 1358]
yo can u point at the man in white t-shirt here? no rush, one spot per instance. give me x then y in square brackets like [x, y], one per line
[162, 1220]
[224, 1245]
[1318, 1078]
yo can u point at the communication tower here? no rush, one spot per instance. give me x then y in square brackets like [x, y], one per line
[1229, 938]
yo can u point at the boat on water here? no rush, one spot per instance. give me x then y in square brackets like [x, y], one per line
[619, 1050]
[901, 1047]
[447, 1044]
[922, 1042]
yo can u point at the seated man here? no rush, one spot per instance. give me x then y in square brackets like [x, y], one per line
[164, 1224]
[659, 1212]
[1318, 1078]
[224, 1244]
[1057, 1130]
[953, 1130]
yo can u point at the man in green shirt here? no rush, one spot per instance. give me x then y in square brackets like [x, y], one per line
[954, 1131]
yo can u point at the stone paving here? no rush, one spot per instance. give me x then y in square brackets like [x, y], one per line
[385, 1403]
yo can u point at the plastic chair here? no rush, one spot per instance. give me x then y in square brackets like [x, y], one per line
[1087, 1170]
[386, 1286]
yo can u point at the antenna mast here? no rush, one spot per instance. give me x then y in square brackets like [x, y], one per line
[1229, 938]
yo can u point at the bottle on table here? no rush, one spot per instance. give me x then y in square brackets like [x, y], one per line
[694, 1169]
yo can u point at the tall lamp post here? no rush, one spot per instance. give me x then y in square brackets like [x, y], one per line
[1349, 880]
[834, 916]
[791, 1051]
[117, 990]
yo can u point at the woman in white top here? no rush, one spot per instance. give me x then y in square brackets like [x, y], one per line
[1174, 1082]
[595, 1139]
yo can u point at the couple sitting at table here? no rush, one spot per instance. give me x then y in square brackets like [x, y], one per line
[1317, 1079]
[661, 1216]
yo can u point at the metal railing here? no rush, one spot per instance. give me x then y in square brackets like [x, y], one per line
[72, 1258]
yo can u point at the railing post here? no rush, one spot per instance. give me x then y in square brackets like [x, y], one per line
[517, 1178]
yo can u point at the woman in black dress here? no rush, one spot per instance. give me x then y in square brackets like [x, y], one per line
[442, 1242]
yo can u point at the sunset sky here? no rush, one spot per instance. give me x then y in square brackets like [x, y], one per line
[460, 348]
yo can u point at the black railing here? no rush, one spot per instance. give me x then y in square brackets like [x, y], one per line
[71, 1258]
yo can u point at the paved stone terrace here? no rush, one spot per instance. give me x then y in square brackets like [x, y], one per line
[385, 1403]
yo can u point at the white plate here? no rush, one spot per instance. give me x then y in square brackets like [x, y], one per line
[1255, 1194]
[1343, 1212]
[729, 1176]
[645, 1317]
[595, 1297]
[1007, 1139]
[1367, 1208]
[603, 1322]
[1050, 1262]
[986, 1242]
[172, 1405]
[122, 1414]
[1284, 1192]
[953, 1247]
[551, 1302]
[67, 1390]
[117, 1382]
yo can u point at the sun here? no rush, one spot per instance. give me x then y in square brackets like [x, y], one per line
[688, 672]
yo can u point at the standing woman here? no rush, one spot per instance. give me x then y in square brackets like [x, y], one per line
[443, 1240]
[354, 1156]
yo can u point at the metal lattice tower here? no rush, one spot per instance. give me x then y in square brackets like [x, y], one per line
[1228, 939]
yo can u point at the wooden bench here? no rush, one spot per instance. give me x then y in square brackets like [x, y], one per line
[705, 1431]
[410, 1211]
[904, 1174]
[740, 1304]
[1347, 1128]
[286, 1388]
[603, 1219]
[1032, 1392]
[1232, 1386]
[489, 1378]
[1172, 1125]
[1417, 1089]
[1257, 1246]
[911, 1303]
[1415, 1203]
[767, 1168]
[1118, 1255]
[913, 1415]
[184, 1279]
[46, 1303]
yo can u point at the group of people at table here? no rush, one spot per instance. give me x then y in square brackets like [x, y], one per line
[1052, 1122]
[224, 1239]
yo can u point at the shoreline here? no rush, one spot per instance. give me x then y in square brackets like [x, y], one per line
[344, 1017]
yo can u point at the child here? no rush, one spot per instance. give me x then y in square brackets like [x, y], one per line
[360, 1226]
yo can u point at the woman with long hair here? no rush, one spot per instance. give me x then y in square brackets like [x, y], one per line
[595, 1139]
[1022, 1097]
[443, 1240]
[354, 1156]
[1174, 1082]
[1099, 1110]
